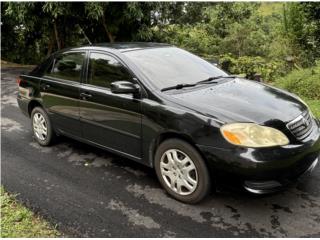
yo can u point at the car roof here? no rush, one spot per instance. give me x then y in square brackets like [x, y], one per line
[130, 46]
[120, 46]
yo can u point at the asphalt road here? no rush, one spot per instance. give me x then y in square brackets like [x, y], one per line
[88, 192]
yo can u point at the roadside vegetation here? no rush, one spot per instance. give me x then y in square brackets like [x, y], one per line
[18, 221]
[306, 84]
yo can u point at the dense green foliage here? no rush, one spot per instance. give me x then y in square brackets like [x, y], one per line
[253, 66]
[270, 39]
[306, 84]
[252, 39]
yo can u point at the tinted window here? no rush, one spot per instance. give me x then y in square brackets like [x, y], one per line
[67, 66]
[169, 66]
[104, 69]
[43, 67]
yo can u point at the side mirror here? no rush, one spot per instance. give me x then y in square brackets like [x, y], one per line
[124, 87]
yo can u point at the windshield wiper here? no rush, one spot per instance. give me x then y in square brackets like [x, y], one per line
[210, 79]
[178, 86]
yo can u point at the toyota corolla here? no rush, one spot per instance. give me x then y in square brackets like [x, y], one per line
[164, 107]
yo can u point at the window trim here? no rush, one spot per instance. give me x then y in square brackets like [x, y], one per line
[42, 67]
[86, 77]
[63, 79]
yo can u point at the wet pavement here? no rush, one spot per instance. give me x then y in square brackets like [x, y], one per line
[88, 192]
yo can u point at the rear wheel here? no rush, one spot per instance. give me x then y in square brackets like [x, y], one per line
[182, 171]
[41, 126]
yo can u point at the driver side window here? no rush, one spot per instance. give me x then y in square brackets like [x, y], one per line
[104, 69]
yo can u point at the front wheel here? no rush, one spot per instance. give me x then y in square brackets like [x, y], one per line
[41, 126]
[182, 171]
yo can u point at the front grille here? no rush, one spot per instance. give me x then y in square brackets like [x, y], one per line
[301, 127]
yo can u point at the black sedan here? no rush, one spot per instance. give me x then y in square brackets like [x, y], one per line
[171, 110]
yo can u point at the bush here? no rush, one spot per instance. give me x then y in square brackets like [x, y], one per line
[250, 66]
[194, 38]
[304, 82]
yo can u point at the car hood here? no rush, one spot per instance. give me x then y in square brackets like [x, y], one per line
[241, 100]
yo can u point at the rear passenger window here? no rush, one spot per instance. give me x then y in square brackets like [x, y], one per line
[104, 69]
[67, 67]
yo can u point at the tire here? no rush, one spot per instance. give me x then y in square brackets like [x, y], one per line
[40, 121]
[188, 179]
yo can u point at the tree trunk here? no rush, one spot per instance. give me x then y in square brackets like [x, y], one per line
[109, 35]
[56, 35]
[63, 34]
[50, 44]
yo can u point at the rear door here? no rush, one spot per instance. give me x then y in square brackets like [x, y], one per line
[108, 119]
[60, 91]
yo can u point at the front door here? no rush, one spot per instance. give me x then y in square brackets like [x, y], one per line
[107, 119]
[59, 88]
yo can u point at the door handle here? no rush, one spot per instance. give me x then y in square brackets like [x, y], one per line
[45, 86]
[84, 96]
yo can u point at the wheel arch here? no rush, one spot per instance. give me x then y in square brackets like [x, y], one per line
[32, 104]
[169, 135]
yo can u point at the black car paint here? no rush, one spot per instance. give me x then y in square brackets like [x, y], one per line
[133, 125]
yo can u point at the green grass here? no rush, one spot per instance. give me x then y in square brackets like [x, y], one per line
[18, 221]
[314, 106]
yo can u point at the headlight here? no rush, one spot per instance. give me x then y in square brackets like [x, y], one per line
[253, 135]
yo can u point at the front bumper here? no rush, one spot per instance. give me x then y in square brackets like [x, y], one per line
[264, 187]
[263, 170]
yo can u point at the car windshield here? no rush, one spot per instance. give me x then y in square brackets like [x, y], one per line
[170, 66]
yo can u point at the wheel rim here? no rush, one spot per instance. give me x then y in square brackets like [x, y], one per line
[39, 126]
[179, 172]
